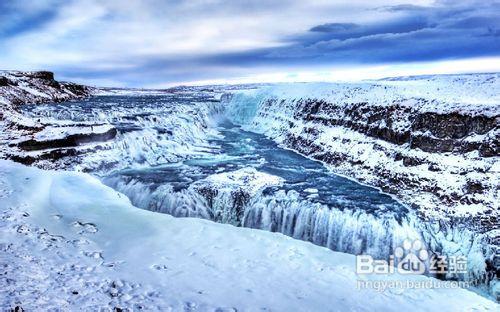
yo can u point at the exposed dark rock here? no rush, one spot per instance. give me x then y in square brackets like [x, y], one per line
[411, 161]
[490, 147]
[437, 145]
[4, 82]
[76, 89]
[46, 75]
[69, 141]
[430, 132]
[433, 167]
[454, 125]
[475, 187]
[209, 193]
[51, 155]
[240, 199]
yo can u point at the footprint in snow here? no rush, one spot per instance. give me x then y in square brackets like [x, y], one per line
[84, 227]
[93, 254]
[160, 267]
[57, 216]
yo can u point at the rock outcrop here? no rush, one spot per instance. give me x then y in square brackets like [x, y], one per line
[228, 193]
[24, 139]
[17, 88]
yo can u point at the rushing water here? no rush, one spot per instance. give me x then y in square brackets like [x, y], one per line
[168, 147]
[311, 204]
[237, 149]
[168, 144]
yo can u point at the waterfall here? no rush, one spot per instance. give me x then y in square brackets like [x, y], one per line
[350, 231]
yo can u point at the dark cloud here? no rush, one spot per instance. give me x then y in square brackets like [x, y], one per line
[349, 31]
[421, 33]
[334, 27]
[404, 7]
[406, 33]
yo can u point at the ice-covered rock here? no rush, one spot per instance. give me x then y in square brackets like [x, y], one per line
[248, 179]
[228, 193]
[71, 136]
[53, 143]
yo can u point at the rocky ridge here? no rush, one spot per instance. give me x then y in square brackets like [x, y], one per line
[20, 87]
[20, 136]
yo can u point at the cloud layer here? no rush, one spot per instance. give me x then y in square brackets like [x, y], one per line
[154, 42]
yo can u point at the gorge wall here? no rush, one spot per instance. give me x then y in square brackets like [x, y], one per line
[394, 136]
[432, 141]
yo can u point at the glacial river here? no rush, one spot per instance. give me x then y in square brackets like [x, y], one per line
[167, 144]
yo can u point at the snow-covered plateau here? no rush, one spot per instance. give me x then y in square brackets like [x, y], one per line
[355, 167]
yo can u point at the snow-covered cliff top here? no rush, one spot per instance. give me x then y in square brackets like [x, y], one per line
[17, 87]
[471, 94]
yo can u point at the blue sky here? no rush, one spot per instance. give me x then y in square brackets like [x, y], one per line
[157, 43]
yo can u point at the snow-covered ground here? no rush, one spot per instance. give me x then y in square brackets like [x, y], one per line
[470, 93]
[77, 244]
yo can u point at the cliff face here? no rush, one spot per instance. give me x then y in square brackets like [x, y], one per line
[428, 131]
[19, 132]
[18, 88]
[434, 142]
[451, 157]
